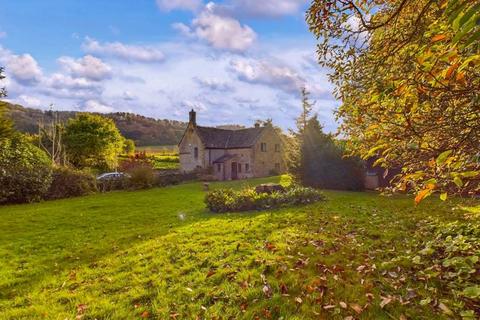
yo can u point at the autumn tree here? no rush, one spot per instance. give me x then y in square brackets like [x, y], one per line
[407, 73]
[6, 125]
[92, 141]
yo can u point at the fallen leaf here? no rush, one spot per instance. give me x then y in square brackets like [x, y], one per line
[244, 284]
[361, 268]
[283, 288]
[445, 309]
[385, 301]
[356, 307]
[145, 314]
[267, 291]
[343, 305]
[81, 308]
[243, 306]
[402, 317]
[270, 247]
[267, 314]
[298, 300]
[210, 273]
[438, 37]
[328, 307]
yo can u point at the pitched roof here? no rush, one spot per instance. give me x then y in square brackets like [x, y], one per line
[225, 158]
[228, 139]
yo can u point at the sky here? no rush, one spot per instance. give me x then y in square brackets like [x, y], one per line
[233, 61]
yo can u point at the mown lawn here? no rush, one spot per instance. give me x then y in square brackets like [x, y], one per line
[159, 254]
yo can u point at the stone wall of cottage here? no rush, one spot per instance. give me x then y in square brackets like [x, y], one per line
[269, 161]
[250, 162]
[188, 161]
[243, 162]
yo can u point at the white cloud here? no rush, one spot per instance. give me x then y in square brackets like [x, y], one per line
[87, 67]
[264, 8]
[196, 105]
[220, 31]
[96, 106]
[129, 96]
[29, 101]
[22, 68]
[65, 86]
[169, 5]
[59, 80]
[183, 29]
[131, 53]
[254, 86]
[214, 84]
[273, 75]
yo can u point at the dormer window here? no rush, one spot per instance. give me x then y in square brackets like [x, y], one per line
[195, 152]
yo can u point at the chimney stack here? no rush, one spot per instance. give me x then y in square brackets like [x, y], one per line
[193, 117]
[257, 124]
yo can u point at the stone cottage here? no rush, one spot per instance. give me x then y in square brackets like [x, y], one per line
[231, 154]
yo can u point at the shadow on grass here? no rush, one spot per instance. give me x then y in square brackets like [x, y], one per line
[38, 240]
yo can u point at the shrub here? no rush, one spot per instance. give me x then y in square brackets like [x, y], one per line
[140, 170]
[142, 176]
[69, 183]
[113, 184]
[228, 200]
[25, 171]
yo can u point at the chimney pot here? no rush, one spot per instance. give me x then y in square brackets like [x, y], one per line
[193, 117]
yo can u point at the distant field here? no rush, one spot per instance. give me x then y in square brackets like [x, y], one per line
[158, 254]
[165, 161]
[164, 150]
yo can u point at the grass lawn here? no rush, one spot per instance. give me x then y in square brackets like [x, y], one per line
[159, 254]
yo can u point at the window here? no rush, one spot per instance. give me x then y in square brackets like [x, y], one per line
[240, 168]
[219, 167]
[277, 147]
[195, 152]
[277, 167]
[247, 167]
[263, 147]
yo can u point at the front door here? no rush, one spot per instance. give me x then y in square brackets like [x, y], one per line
[234, 171]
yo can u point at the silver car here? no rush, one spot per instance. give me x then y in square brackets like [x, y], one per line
[112, 176]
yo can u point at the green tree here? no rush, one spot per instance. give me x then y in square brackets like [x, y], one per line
[129, 146]
[6, 125]
[93, 141]
[407, 73]
[25, 173]
[294, 155]
[323, 162]
[307, 107]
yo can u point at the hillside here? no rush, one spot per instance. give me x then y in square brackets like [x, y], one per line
[143, 130]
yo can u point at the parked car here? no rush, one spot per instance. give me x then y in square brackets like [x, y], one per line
[109, 176]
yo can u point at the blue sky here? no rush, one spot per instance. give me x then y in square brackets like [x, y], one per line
[234, 61]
